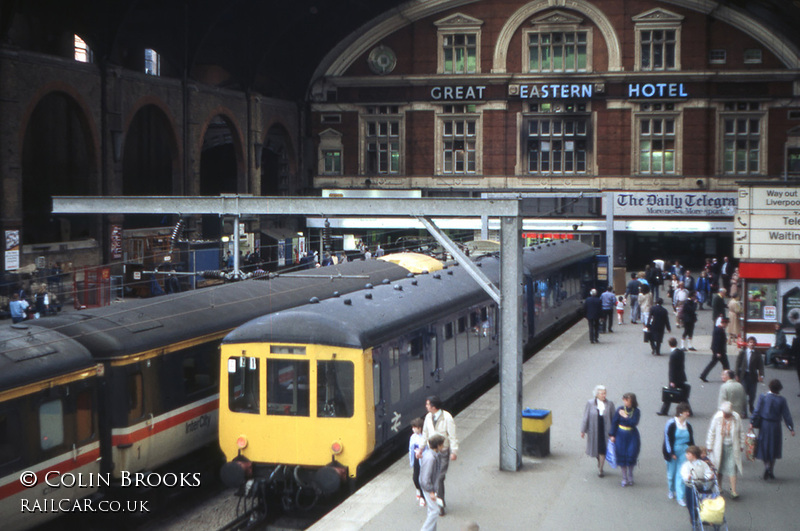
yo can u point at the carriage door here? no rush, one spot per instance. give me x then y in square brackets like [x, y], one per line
[380, 391]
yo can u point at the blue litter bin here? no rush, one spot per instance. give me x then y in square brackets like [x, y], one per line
[536, 432]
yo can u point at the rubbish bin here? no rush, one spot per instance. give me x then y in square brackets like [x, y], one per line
[536, 432]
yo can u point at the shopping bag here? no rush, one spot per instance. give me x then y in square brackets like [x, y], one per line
[712, 510]
[611, 454]
[750, 445]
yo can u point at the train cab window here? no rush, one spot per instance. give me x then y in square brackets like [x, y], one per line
[335, 389]
[415, 364]
[84, 421]
[287, 388]
[243, 385]
[10, 440]
[51, 424]
[135, 398]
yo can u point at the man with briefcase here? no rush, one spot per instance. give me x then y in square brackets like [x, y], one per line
[678, 390]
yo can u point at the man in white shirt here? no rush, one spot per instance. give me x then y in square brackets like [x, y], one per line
[440, 422]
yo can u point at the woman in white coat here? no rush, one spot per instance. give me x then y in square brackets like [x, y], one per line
[596, 423]
[725, 442]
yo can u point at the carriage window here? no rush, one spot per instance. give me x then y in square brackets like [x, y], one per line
[287, 388]
[376, 383]
[135, 398]
[416, 367]
[84, 422]
[394, 375]
[199, 373]
[51, 424]
[9, 439]
[335, 389]
[243, 391]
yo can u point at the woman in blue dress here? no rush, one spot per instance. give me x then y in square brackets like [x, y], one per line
[678, 436]
[625, 436]
[771, 408]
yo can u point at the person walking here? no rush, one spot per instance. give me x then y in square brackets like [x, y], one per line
[632, 292]
[750, 370]
[718, 305]
[620, 310]
[428, 472]
[608, 303]
[702, 288]
[733, 392]
[678, 300]
[695, 472]
[415, 442]
[592, 309]
[772, 407]
[689, 320]
[596, 423]
[440, 422]
[678, 436]
[656, 323]
[725, 443]
[625, 435]
[719, 348]
[645, 303]
[677, 374]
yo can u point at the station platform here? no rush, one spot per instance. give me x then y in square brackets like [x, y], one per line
[563, 490]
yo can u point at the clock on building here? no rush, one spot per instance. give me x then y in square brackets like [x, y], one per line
[382, 60]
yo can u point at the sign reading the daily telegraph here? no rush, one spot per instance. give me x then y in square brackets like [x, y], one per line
[671, 203]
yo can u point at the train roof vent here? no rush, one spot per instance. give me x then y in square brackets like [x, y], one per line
[479, 264]
[410, 275]
[398, 287]
[348, 302]
[385, 281]
[425, 272]
[368, 296]
[336, 294]
[449, 272]
[437, 275]
[368, 286]
[414, 282]
[314, 300]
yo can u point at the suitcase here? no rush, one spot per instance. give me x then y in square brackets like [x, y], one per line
[674, 395]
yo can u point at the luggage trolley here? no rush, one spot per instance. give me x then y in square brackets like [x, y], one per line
[709, 506]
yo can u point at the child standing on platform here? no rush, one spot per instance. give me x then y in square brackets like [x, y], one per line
[416, 441]
[620, 309]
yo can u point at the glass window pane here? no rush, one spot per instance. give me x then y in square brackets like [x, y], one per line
[51, 424]
[335, 389]
[243, 385]
[287, 387]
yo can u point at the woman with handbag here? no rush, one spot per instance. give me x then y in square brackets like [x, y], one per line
[596, 424]
[625, 436]
[725, 443]
[771, 408]
[678, 436]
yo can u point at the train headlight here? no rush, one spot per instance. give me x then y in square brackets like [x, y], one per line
[241, 442]
[337, 448]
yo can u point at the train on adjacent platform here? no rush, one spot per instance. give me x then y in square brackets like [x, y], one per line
[311, 396]
[133, 387]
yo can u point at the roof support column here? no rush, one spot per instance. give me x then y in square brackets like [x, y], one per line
[510, 343]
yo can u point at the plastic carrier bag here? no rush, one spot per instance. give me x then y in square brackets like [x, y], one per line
[712, 510]
[611, 454]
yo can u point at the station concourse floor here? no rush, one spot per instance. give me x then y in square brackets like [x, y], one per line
[563, 490]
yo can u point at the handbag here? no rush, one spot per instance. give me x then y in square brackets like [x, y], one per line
[646, 335]
[611, 453]
[750, 445]
[675, 395]
[755, 421]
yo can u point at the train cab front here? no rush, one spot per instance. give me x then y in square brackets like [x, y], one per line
[293, 419]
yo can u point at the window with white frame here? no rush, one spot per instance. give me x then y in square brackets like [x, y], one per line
[752, 56]
[741, 138]
[557, 139]
[459, 126]
[658, 39]
[382, 140]
[330, 153]
[557, 43]
[657, 137]
[717, 57]
[459, 39]
[152, 62]
[83, 53]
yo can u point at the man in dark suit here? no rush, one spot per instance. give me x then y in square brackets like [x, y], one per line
[718, 305]
[677, 374]
[593, 310]
[750, 370]
[719, 348]
[659, 319]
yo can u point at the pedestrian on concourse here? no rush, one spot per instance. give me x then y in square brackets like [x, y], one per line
[772, 407]
[695, 472]
[733, 392]
[428, 472]
[678, 300]
[678, 436]
[608, 303]
[645, 303]
[719, 348]
[592, 309]
[625, 436]
[632, 292]
[718, 305]
[689, 320]
[779, 349]
[750, 370]
[703, 288]
[596, 423]
[725, 443]
[734, 324]
[440, 422]
[657, 322]
[677, 373]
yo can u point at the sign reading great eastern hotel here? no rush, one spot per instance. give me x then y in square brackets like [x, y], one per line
[588, 90]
